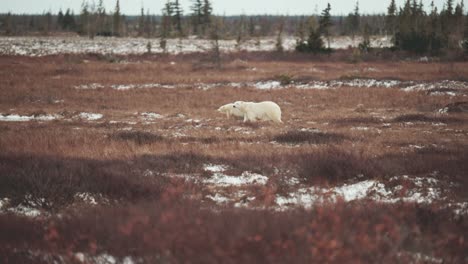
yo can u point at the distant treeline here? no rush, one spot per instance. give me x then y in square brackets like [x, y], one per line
[414, 27]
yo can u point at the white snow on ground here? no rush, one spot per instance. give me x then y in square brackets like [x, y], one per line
[408, 86]
[87, 198]
[267, 85]
[420, 257]
[20, 118]
[102, 259]
[445, 84]
[425, 191]
[42, 46]
[91, 86]
[148, 116]
[19, 210]
[220, 179]
[90, 116]
[214, 168]
[218, 198]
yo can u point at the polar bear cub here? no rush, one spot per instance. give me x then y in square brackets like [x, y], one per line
[230, 110]
[267, 111]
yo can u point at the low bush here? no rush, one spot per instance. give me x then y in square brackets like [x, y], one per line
[296, 137]
[361, 232]
[138, 137]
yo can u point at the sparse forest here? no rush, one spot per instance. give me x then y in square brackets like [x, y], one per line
[184, 136]
[413, 26]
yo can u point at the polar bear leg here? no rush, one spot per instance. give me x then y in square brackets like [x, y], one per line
[245, 117]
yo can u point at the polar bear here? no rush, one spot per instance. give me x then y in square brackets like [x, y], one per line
[264, 111]
[230, 110]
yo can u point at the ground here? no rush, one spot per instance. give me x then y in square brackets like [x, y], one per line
[127, 160]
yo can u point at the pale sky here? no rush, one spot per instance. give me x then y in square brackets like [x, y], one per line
[228, 7]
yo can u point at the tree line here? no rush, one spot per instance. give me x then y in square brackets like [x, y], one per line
[413, 26]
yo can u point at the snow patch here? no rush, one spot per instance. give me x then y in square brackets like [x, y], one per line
[151, 116]
[90, 116]
[20, 118]
[214, 168]
[425, 191]
[91, 86]
[219, 179]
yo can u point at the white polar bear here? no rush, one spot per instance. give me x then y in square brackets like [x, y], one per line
[264, 111]
[230, 110]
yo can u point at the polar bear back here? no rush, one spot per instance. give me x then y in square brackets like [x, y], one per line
[264, 111]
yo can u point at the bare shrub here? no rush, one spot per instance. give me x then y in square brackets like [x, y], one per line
[50, 183]
[138, 137]
[357, 120]
[333, 165]
[296, 137]
[362, 232]
[425, 118]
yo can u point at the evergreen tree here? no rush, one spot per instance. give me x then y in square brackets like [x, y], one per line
[207, 10]
[390, 19]
[166, 27]
[459, 19]
[465, 37]
[60, 18]
[178, 13]
[252, 27]
[206, 14]
[84, 18]
[147, 25]
[92, 21]
[449, 5]
[279, 38]
[197, 16]
[69, 20]
[141, 22]
[47, 22]
[101, 19]
[8, 24]
[365, 45]
[325, 23]
[117, 20]
[353, 20]
[313, 44]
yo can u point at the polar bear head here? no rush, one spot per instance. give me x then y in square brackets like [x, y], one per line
[225, 108]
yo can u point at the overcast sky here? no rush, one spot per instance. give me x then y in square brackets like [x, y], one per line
[228, 7]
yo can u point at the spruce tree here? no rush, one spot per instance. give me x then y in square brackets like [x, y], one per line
[69, 20]
[47, 22]
[465, 37]
[8, 24]
[279, 38]
[147, 25]
[84, 18]
[166, 26]
[459, 20]
[178, 13]
[325, 23]
[207, 11]
[354, 20]
[101, 18]
[197, 16]
[390, 19]
[116, 27]
[60, 18]
[141, 22]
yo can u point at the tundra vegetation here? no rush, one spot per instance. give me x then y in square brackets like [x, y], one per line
[123, 158]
